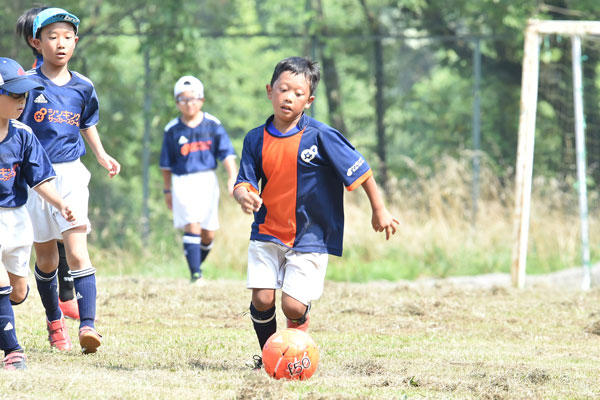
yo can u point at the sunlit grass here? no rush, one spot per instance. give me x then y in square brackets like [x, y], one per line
[437, 236]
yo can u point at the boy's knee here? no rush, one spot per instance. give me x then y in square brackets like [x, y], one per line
[207, 236]
[46, 263]
[19, 295]
[263, 300]
[293, 309]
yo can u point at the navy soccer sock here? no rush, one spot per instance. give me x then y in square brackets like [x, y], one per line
[65, 280]
[8, 335]
[84, 281]
[204, 250]
[47, 287]
[265, 323]
[191, 248]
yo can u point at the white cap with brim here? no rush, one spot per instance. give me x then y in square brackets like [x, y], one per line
[14, 79]
[190, 83]
[52, 15]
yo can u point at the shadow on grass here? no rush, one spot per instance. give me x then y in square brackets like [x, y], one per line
[217, 365]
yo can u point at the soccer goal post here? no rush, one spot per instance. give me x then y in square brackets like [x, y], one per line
[534, 32]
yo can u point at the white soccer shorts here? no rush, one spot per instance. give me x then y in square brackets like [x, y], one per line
[274, 266]
[16, 238]
[196, 200]
[72, 179]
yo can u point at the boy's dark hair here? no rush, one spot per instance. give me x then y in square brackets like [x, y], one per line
[299, 66]
[25, 25]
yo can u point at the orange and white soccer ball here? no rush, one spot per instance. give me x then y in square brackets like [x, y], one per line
[290, 354]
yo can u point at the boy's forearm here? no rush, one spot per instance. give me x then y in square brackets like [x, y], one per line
[93, 139]
[166, 179]
[370, 187]
[49, 193]
[230, 167]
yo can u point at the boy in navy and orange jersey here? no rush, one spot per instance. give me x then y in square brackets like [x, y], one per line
[292, 174]
[66, 298]
[59, 116]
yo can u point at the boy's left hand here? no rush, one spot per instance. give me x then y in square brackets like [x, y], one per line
[110, 164]
[67, 214]
[382, 220]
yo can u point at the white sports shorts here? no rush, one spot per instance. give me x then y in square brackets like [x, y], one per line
[16, 237]
[273, 266]
[196, 200]
[72, 179]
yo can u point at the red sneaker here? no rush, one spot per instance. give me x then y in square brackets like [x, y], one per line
[14, 361]
[58, 335]
[69, 308]
[302, 327]
[89, 340]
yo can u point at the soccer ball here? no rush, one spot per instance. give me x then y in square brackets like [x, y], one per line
[290, 354]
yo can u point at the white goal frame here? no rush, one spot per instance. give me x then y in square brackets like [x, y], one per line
[524, 168]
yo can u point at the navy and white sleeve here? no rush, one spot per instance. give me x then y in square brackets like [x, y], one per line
[224, 146]
[36, 167]
[349, 164]
[249, 172]
[90, 112]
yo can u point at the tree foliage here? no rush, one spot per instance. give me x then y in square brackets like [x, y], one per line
[422, 76]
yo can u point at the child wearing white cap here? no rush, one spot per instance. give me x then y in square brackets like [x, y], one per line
[192, 144]
[23, 164]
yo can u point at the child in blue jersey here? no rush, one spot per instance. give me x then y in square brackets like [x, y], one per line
[292, 174]
[23, 164]
[59, 115]
[192, 144]
[66, 298]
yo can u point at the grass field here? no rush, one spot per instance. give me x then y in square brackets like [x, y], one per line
[167, 339]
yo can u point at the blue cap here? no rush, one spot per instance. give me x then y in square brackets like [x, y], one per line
[52, 15]
[14, 79]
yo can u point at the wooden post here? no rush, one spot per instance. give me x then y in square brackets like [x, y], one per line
[524, 169]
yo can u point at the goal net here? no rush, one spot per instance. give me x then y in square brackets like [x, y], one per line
[561, 59]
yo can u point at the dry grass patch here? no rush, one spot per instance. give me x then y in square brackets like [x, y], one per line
[168, 339]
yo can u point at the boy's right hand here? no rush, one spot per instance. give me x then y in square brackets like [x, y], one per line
[67, 214]
[249, 201]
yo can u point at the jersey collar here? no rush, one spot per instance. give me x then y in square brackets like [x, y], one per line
[302, 123]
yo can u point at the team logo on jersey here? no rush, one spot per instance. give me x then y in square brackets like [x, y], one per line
[7, 174]
[193, 147]
[308, 154]
[8, 326]
[57, 116]
[183, 140]
[355, 167]
[40, 99]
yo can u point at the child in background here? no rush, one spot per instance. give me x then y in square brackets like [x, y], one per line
[192, 144]
[66, 298]
[292, 174]
[66, 110]
[23, 163]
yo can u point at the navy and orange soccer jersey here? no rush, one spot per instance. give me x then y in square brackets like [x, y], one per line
[23, 164]
[186, 150]
[57, 113]
[302, 175]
